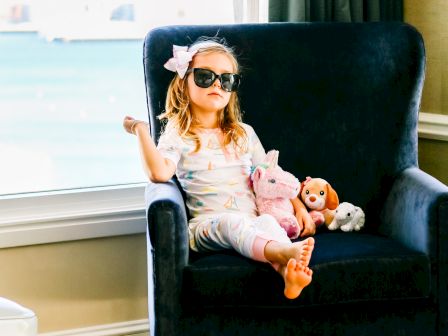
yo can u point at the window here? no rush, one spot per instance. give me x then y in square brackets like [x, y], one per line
[69, 72]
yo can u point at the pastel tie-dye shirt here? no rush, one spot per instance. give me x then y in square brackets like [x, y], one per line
[215, 179]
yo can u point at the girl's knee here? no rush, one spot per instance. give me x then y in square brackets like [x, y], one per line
[267, 222]
[268, 218]
[231, 221]
[269, 226]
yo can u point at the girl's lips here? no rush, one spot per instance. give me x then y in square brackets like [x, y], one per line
[214, 94]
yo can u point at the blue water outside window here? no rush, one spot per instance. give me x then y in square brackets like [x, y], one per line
[62, 104]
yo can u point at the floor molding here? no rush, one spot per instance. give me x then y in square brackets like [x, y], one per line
[113, 329]
[433, 126]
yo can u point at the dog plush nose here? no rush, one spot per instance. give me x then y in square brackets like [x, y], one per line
[313, 198]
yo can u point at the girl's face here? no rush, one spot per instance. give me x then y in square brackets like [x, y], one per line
[212, 99]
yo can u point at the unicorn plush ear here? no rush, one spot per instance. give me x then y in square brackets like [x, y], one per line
[272, 158]
[258, 174]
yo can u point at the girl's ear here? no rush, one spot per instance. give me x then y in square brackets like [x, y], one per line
[332, 200]
[258, 173]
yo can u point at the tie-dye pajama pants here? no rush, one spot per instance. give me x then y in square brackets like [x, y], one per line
[247, 235]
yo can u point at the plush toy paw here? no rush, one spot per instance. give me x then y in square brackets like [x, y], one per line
[317, 217]
[333, 225]
[347, 227]
[291, 226]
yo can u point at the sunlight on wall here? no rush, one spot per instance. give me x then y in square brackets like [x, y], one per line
[430, 18]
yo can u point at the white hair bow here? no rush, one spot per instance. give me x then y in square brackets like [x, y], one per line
[180, 60]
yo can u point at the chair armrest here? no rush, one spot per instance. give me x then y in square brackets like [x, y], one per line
[416, 214]
[168, 249]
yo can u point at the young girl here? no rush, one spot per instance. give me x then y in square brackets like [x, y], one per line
[211, 151]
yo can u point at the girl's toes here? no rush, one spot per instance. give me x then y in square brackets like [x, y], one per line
[292, 263]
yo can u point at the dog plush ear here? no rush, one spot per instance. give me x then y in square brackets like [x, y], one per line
[308, 178]
[332, 200]
[303, 184]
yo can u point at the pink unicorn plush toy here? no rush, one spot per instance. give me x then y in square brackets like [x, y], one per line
[273, 189]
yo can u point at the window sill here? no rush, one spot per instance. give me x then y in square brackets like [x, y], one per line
[40, 218]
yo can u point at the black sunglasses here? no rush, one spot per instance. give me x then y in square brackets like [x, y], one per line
[205, 78]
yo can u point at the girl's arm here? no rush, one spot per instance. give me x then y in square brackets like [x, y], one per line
[156, 167]
[303, 217]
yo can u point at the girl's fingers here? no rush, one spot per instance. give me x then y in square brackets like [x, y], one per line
[127, 123]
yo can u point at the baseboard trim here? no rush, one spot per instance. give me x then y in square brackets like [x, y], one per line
[433, 126]
[113, 329]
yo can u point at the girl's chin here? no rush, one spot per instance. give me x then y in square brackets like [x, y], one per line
[212, 104]
[214, 107]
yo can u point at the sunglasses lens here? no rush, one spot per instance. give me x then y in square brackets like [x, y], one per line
[204, 78]
[230, 82]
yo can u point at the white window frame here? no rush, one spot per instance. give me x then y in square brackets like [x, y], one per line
[256, 11]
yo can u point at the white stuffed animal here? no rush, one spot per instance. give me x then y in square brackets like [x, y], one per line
[347, 217]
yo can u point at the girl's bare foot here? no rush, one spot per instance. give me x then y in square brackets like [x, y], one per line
[303, 251]
[291, 261]
[281, 253]
[296, 277]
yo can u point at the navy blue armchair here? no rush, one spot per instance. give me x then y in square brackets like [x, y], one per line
[339, 101]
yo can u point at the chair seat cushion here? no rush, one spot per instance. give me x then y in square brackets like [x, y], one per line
[348, 267]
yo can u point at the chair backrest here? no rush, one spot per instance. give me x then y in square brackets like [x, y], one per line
[338, 100]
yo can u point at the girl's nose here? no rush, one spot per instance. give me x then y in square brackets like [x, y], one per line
[217, 83]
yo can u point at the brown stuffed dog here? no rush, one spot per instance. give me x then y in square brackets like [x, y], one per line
[320, 198]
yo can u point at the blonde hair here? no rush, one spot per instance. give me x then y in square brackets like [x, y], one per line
[178, 114]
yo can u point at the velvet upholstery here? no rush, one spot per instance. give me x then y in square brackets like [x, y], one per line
[339, 101]
[365, 262]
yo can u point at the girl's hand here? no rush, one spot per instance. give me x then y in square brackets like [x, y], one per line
[305, 221]
[130, 124]
[303, 217]
[127, 124]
